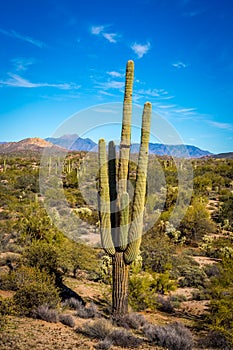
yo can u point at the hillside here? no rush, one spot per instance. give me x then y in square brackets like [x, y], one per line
[228, 155]
[31, 145]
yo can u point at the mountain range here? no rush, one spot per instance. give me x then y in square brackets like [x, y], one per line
[75, 143]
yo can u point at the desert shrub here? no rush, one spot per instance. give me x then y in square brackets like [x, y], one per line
[34, 288]
[73, 303]
[67, 320]
[131, 320]
[124, 339]
[6, 308]
[98, 329]
[193, 276]
[104, 344]
[87, 311]
[216, 340]
[142, 291]
[165, 304]
[212, 270]
[174, 336]
[156, 251]
[44, 312]
[144, 286]
[180, 263]
[200, 294]
[220, 291]
[45, 256]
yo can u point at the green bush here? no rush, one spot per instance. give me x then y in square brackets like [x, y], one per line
[220, 290]
[193, 277]
[33, 289]
[144, 287]
[6, 308]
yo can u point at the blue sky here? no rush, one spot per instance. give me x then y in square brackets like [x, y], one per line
[59, 57]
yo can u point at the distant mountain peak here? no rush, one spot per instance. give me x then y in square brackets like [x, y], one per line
[30, 144]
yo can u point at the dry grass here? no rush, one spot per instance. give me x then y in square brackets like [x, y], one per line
[28, 334]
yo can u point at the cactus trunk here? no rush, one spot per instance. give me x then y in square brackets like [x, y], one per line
[120, 276]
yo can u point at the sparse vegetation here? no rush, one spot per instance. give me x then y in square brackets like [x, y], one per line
[174, 336]
[36, 260]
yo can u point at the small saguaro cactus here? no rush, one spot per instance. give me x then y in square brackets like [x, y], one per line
[121, 222]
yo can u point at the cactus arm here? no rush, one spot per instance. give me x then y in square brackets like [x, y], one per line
[126, 128]
[135, 231]
[113, 190]
[104, 201]
[124, 221]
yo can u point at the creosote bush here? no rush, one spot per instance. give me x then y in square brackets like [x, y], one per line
[174, 336]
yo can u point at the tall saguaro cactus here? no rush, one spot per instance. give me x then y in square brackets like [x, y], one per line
[120, 227]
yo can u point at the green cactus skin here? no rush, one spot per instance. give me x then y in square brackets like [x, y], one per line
[104, 201]
[135, 231]
[113, 190]
[124, 221]
[120, 234]
[120, 277]
[126, 127]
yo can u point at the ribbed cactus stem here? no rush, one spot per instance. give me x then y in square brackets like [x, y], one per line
[113, 190]
[135, 231]
[104, 201]
[124, 221]
[126, 128]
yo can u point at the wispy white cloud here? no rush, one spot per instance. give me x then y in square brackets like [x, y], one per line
[96, 30]
[18, 81]
[115, 74]
[111, 37]
[113, 84]
[166, 106]
[140, 50]
[101, 30]
[153, 92]
[185, 110]
[179, 65]
[22, 64]
[220, 125]
[102, 92]
[13, 34]
[103, 110]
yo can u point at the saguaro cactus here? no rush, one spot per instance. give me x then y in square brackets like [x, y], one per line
[120, 227]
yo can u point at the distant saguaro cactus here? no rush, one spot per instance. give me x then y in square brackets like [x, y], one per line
[120, 227]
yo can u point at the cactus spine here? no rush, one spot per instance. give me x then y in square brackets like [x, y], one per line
[121, 228]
